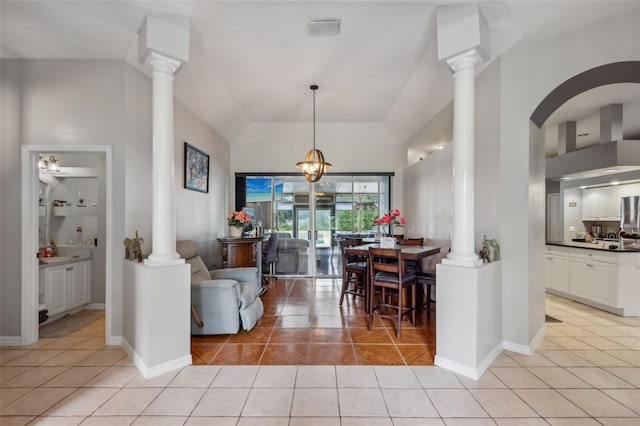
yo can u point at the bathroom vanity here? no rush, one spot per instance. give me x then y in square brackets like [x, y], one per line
[64, 284]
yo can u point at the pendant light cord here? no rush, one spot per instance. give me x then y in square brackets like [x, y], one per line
[314, 116]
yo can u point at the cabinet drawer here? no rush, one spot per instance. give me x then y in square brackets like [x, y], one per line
[557, 250]
[595, 255]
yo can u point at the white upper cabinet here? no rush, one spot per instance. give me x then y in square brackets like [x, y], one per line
[604, 203]
[633, 189]
[591, 198]
[598, 204]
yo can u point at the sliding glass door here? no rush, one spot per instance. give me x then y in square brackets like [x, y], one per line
[309, 219]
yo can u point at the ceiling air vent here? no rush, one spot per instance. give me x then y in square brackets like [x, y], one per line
[323, 27]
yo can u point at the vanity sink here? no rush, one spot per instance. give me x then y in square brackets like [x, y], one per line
[54, 260]
[59, 259]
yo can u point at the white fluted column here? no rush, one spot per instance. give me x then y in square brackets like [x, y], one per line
[463, 229]
[164, 222]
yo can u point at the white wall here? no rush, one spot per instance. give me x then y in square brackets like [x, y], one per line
[98, 102]
[427, 195]
[572, 215]
[202, 217]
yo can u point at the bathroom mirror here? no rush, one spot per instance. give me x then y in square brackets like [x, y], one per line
[43, 214]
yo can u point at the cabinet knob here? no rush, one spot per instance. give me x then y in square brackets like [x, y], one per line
[69, 268]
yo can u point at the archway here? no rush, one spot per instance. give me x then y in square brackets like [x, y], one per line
[617, 72]
[623, 72]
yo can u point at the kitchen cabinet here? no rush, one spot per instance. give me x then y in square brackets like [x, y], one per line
[605, 283]
[581, 283]
[601, 203]
[557, 269]
[633, 189]
[594, 276]
[66, 286]
[600, 278]
[604, 203]
[594, 280]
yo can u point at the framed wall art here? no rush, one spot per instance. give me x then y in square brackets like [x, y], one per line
[196, 169]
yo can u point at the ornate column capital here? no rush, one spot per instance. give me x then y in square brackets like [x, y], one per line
[162, 63]
[465, 60]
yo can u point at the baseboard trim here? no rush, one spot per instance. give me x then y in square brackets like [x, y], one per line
[470, 372]
[10, 341]
[526, 349]
[150, 372]
[456, 367]
[517, 348]
[491, 356]
[95, 306]
[538, 338]
[114, 341]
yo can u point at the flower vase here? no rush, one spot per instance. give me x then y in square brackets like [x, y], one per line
[235, 231]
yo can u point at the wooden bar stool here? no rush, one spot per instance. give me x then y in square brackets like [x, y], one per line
[354, 272]
[427, 279]
[386, 274]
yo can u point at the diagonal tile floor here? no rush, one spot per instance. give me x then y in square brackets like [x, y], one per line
[63, 382]
[304, 325]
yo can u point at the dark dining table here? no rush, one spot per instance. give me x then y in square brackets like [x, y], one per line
[407, 252]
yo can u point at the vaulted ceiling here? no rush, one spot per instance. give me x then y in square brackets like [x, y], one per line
[254, 61]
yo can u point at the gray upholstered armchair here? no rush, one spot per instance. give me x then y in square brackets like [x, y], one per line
[222, 298]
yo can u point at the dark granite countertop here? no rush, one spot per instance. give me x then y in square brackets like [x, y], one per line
[599, 245]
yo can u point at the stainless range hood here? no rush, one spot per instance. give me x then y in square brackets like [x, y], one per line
[611, 155]
[597, 160]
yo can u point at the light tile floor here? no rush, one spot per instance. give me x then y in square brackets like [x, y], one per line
[585, 372]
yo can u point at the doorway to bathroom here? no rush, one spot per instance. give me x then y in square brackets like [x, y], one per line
[78, 223]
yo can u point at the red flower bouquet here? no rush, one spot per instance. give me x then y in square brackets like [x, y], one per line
[390, 219]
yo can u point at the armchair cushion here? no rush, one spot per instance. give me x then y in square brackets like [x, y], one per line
[216, 303]
[189, 251]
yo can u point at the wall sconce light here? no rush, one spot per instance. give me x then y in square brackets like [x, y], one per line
[53, 164]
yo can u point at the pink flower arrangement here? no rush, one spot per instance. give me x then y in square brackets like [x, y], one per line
[390, 219]
[238, 219]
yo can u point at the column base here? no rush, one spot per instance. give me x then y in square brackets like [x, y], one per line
[461, 259]
[163, 259]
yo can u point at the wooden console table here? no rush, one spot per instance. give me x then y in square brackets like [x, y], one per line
[238, 252]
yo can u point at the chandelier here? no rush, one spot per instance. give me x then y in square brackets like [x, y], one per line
[314, 165]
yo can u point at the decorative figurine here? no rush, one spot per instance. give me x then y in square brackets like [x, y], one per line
[492, 249]
[484, 254]
[133, 248]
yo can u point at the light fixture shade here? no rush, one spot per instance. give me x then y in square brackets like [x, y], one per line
[53, 164]
[314, 165]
